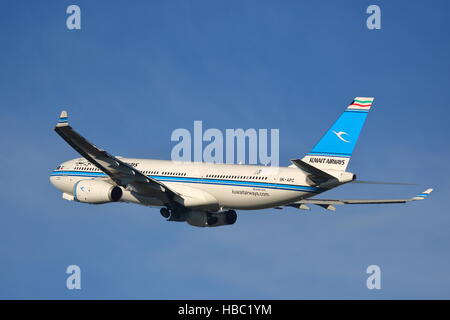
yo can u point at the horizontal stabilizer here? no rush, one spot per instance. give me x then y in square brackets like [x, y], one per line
[315, 174]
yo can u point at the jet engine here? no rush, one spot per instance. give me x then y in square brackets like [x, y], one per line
[211, 219]
[96, 192]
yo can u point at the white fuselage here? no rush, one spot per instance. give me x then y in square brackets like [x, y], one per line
[232, 186]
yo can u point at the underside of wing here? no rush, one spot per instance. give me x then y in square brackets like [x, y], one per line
[123, 174]
[330, 203]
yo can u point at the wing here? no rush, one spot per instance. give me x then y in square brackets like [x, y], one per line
[120, 172]
[329, 203]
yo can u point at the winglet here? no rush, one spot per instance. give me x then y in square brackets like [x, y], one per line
[423, 195]
[63, 119]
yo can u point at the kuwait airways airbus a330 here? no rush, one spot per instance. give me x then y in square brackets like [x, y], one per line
[206, 194]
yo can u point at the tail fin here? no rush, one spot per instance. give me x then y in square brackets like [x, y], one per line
[335, 148]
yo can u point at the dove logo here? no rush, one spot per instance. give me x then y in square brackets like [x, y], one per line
[340, 134]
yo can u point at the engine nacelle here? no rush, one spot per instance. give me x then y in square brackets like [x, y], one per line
[208, 219]
[96, 192]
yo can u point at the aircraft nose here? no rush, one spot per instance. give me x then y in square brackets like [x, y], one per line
[52, 180]
[55, 180]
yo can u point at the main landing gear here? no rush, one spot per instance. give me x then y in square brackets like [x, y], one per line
[200, 218]
[221, 218]
[230, 217]
[173, 213]
[165, 213]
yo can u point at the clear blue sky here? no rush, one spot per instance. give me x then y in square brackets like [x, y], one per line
[140, 69]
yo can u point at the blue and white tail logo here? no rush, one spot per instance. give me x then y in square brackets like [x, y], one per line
[339, 135]
[335, 148]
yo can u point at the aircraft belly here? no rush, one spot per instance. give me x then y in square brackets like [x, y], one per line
[237, 197]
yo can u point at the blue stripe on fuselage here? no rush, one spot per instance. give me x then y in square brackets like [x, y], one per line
[239, 183]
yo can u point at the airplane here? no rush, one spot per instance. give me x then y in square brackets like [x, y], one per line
[207, 194]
